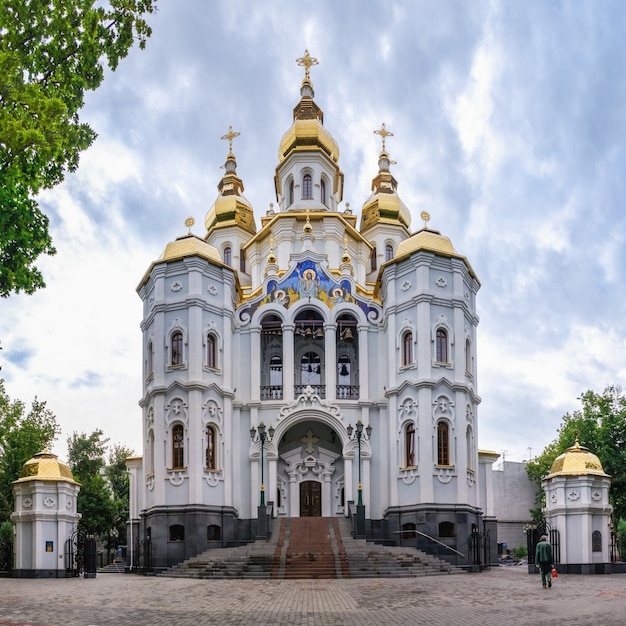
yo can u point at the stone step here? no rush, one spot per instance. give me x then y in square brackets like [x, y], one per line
[309, 548]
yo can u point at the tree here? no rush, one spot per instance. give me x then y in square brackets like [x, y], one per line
[600, 426]
[51, 53]
[22, 435]
[117, 476]
[95, 500]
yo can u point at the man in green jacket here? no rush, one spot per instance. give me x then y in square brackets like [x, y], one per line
[543, 560]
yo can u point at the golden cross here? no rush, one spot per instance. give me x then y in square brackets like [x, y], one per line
[306, 61]
[189, 222]
[384, 133]
[230, 135]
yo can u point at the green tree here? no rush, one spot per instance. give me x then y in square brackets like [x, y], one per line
[118, 480]
[22, 434]
[600, 425]
[86, 458]
[51, 53]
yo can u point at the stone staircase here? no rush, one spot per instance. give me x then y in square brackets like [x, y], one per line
[311, 547]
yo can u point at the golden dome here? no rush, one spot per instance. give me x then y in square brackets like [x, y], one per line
[189, 245]
[45, 466]
[576, 461]
[384, 208]
[384, 205]
[230, 208]
[306, 134]
[430, 240]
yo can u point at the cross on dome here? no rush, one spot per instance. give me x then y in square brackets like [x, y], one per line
[384, 133]
[230, 135]
[307, 61]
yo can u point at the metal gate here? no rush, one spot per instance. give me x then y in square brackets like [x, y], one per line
[534, 533]
[81, 555]
[6, 557]
[480, 550]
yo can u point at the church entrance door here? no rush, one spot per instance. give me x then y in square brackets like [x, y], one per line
[310, 499]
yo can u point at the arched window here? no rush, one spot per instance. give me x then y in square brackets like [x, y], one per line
[211, 351]
[211, 451]
[407, 348]
[178, 447]
[443, 443]
[213, 533]
[347, 351]
[307, 187]
[596, 541]
[271, 358]
[373, 260]
[228, 256]
[408, 531]
[177, 348]
[177, 532]
[309, 343]
[323, 191]
[149, 359]
[441, 346]
[150, 454]
[469, 440]
[290, 193]
[446, 529]
[242, 260]
[409, 445]
[468, 356]
[388, 252]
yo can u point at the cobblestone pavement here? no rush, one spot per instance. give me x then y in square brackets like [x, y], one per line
[505, 595]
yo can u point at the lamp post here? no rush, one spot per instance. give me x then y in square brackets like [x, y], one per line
[262, 437]
[358, 434]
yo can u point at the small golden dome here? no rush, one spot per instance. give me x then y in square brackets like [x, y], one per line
[384, 208]
[425, 239]
[45, 466]
[189, 245]
[576, 461]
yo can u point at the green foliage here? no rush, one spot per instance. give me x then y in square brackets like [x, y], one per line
[103, 497]
[22, 435]
[6, 531]
[601, 426]
[118, 479]
[50, 55]
[521, 552]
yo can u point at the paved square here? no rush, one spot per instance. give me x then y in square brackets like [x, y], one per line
[505, 595]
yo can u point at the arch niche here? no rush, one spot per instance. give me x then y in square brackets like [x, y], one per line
[311, 445]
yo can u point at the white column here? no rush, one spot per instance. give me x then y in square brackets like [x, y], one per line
[327, 502]
[330, 360]
[347, 482]
[272, 484]
[288, 364]
[294, 498]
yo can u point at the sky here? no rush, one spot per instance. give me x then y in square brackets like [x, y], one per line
[509, 122]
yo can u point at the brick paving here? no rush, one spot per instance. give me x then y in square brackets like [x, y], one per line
[500, 596]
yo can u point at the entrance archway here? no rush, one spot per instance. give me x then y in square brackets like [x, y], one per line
[310, 499]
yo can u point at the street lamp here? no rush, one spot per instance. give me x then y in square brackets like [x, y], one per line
[358, 434]
[262, 436]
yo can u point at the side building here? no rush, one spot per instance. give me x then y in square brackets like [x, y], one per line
[314, 366]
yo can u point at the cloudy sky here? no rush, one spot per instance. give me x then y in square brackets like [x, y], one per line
[509, 122]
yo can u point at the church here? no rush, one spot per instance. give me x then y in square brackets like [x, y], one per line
[320, 363]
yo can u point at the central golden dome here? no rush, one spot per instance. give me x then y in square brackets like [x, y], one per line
[576, 461]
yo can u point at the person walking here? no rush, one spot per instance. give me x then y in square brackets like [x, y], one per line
[543, 560]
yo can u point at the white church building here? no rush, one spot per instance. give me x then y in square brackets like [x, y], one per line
[320, 363]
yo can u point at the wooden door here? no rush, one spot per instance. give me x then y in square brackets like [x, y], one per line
[310, 499]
